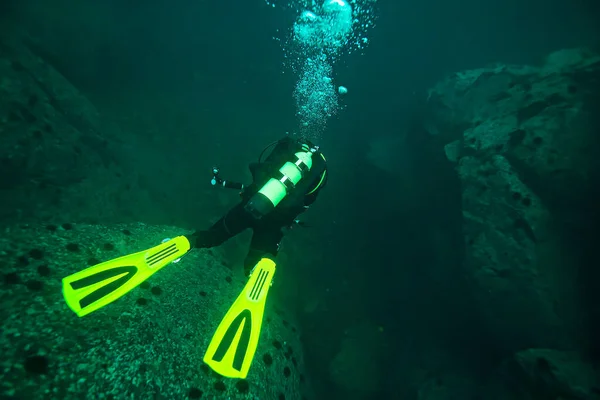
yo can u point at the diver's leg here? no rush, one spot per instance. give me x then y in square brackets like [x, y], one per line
[234, 222]
[265, 243]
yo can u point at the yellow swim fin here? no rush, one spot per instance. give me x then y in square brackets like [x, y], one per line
[101, 284]
[233, 345]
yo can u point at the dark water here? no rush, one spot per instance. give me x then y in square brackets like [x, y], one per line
[385, 268]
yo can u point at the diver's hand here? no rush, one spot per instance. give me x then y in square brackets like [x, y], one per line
[216, 181]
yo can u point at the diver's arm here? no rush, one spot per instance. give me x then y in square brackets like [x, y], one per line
[218, 181]
[227, 184]
[233, 185]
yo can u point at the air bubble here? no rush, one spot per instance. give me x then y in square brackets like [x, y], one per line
[323, 32]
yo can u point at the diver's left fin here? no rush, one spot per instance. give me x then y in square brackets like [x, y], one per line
[101, 284]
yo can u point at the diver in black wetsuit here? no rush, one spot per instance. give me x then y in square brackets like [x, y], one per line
[283, 186]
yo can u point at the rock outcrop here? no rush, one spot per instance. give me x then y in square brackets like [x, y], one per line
[55, 154]
[524, 142]
[544, 374]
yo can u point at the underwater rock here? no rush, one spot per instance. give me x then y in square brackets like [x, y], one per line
[41, 150]
[356, 368]
[446, 385]
[55, 151]
[141, 346]
[452, 150]
[544, 374]
[542, 119]
[524, 143]
[434, 373]
[517, 266]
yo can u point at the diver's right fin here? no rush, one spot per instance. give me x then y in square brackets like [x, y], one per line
[234, 343]
[101, 284]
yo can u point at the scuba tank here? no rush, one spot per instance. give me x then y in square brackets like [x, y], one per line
[277, 188]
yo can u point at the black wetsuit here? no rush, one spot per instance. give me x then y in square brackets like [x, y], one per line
[267, 231]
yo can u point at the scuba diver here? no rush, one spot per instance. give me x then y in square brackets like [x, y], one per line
[283, 186]
[272, 202]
